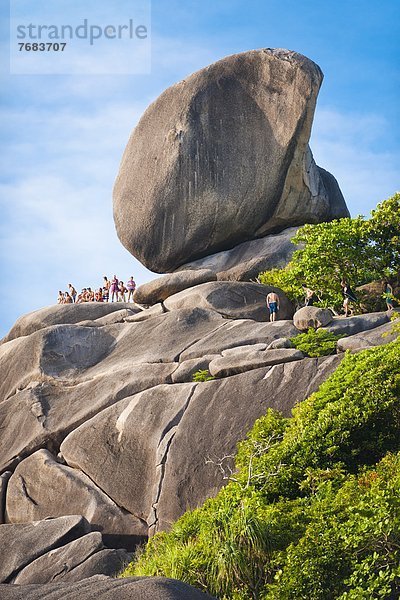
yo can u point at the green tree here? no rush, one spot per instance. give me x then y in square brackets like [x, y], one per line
[384, 233]
[357, 250]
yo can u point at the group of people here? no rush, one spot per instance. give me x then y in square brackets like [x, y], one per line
[347, 293]
[113, 290]
[311, 296]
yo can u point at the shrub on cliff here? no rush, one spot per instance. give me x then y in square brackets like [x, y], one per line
[312, 511]
[358, 250]
[316, 342]
[202, 375]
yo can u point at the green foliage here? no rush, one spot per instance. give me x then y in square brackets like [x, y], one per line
[353, 419]
[357, 250]
[396, 323]
[221, 547]
[202, 375]
[384, 232]
[315, 343]
[313, 510]
[350, 548]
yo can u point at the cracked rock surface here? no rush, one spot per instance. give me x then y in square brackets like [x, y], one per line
[21, 544]
[41, 487]
[83, 557]
[104, 421]
[246, 261]
[122, 448]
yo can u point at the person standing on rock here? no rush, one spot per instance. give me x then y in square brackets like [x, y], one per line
[388, 295]
[114, 288]
[348, 296]
[131, 285]
[121, 292]
[72, 292]
[309, 295]
[273, 305]
[106, 289]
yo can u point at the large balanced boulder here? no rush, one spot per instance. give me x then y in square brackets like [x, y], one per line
[221, 158]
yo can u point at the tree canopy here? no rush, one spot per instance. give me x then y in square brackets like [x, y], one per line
[356, 249]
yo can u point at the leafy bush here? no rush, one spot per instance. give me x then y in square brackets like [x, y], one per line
[350, 548]
[315, 343]
[353, 420]
[358, 250]
[309, 514]
[396, 323]
[202, 375]
[384, 233]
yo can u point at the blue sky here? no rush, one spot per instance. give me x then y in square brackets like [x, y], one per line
[62, 136]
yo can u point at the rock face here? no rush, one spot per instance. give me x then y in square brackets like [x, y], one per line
[378, 336]
[171, 457]
[122, 448]
[160, 289]
[235, 300]
[239, 332]
[239, 363]
[225, 406]
[77, 560]
[184, 373]
[246, 261]
[41, 487]
[357, 324]
[44, 401]
[64, 313]
[21, 544]
[4, 477]
[104, 422]
[222, 158]
[105, 588]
